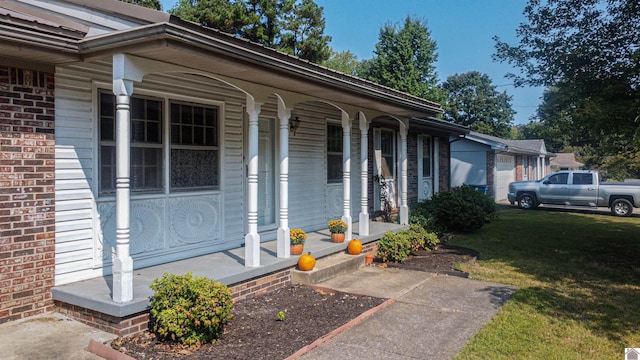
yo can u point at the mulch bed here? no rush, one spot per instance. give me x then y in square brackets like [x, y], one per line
[257, 333]
[444, 260]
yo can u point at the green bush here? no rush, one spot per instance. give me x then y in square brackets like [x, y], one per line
[417, 235]
[485, 202]
[462, 209]
[420, 214]
[431, 240]
[394, 247]
[189, 310]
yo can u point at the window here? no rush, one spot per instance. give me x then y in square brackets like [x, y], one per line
[146, 144]
[426, 157]
[193, 149]
[582, 179]
[334, 153]
[386, 152]
[194, 146]
[560, 178]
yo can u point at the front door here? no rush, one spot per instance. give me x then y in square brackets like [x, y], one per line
[385, 169]
[425, 168]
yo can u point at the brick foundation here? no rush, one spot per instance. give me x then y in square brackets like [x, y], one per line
[263, 285]
[27, 201]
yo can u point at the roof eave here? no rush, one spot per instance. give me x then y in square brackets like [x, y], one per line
[445, 127]
[23, 43]
[240, 50]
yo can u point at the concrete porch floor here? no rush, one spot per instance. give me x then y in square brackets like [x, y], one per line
[226, 267]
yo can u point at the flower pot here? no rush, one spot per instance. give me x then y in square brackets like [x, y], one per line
[297, 249]
[337, 238]
[368, 259]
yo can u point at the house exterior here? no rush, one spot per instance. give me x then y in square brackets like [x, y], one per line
[565, 161]
[491, 163]
[133, 140]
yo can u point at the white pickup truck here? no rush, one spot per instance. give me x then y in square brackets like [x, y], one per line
[576, 188]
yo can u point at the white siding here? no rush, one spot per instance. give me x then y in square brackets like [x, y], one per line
[468, 163]
[79, 250]
[74, 175]
[307, 168]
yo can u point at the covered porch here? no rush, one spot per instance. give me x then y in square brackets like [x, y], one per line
[226, 267]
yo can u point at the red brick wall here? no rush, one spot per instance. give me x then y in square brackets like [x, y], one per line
[444, 177]
[412, 168]
[27, 204]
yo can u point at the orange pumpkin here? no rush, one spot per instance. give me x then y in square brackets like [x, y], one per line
[355, 247]
[306, 262]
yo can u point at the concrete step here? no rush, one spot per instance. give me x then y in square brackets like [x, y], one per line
[327, 268]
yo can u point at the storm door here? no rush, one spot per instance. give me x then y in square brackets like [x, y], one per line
[385, 169]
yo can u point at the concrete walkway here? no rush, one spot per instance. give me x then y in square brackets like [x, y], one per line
[433, 317]
[49, 336]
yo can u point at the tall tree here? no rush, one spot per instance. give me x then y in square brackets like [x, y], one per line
[472, 100]
[224, 15]
[303, 33]
[345, 61]
[404, 59]
[587, 51]
[292, 26]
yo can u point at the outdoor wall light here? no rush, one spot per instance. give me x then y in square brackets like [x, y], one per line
[294, 124]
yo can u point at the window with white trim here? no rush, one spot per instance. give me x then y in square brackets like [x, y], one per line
[146, 144]
[193, 146]
[334, 153]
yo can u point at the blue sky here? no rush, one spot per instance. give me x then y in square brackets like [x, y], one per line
[463, 30]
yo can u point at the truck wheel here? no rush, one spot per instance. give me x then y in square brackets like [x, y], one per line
[621, 207]
[527, 201]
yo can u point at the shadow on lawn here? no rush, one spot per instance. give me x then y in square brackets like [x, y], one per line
[586, 266]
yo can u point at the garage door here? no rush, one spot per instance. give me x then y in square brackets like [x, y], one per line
[505, 174]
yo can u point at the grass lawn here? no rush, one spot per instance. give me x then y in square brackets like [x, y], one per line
[579, 280]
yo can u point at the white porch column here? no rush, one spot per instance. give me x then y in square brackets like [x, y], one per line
[364, 180]
[346, 174]
[252, 238]
[283, 243]
[404, 207]
[123, 263]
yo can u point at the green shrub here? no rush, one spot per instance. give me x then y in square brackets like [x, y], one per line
[462, 209]
[189, 310]
[394, 247]
[416, 235]
[421, 238]
[485, 202]
[421, 214]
